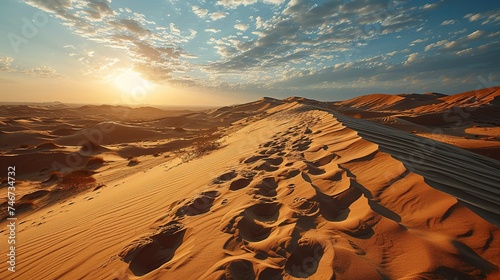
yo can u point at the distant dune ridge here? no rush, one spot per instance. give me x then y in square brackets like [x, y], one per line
[271, 189]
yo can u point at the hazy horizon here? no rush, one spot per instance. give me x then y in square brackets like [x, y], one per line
[192, 106]
[213, 54]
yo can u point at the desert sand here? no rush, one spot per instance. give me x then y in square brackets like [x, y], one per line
[376, 187]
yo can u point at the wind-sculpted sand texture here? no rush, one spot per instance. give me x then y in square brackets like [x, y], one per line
[297, 191]
[468, 120]
[444, 167]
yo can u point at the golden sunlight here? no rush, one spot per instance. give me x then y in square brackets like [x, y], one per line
[131, 82]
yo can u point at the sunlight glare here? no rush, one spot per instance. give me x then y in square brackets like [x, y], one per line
[131, 82]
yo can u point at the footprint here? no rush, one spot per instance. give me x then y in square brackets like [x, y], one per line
[265, 166]
[251, 230]
[304, 261]
[239, 269]
[199, 204]
[265, 212]
[149, 253]
[274, 161]
[239, 184]
[253, 159]
[361, 230]
[289, 173]
[225, 177]
[270, 274]
[305, 207]
[267, 144]
[266, 188]
[274, 150]
[263, 152]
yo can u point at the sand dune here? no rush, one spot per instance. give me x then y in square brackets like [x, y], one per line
[423, 103]
[425, 157]
[373, 101]
[296, 190]
[22, 139]
[435, 116]
[106, 133]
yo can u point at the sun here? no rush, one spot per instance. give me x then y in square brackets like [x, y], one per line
[131, 82]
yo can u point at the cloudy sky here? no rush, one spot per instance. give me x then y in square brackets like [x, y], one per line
[228, 51]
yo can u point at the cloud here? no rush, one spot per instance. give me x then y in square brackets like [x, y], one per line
[42, 72]
[218, 15]
[156, 72]
[494, 34]
[212, 30]
[418, 41]
[478, 34]
[174, 29]
[149, 46]
[472, 17]
[465, 52]
[411, 58]
[193, 33]
[421, 70]
[488, 17]
[199, 11]
[461, 42]
[434, 45]
[429, 6]
[258, 22]
[235, 3]
[308, 31]
[399, 23]
[241, 26]
[130, 25]
[99, 67]
[146, 53]
[5, 63]
[449, 22]
[295, 43]
[97, 10]
[60, 8]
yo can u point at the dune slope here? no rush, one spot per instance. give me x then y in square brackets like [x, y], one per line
[299, 193]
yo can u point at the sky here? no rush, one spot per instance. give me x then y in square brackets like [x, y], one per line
[173, 52]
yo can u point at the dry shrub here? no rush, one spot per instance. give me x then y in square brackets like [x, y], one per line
[205, 146]
[95, 161]
[200, 147]
[48, 145]
[77, 179]
[89, 147]
[133, 161]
